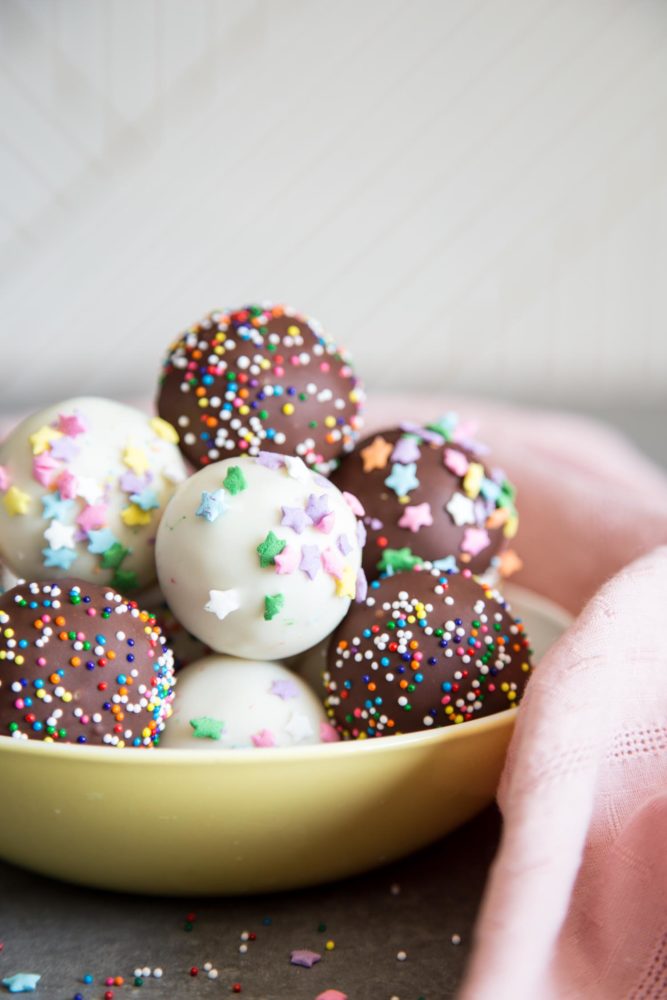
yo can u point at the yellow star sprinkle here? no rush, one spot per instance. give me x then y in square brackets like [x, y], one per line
[135, 459]
[16, 501]
[511, 526]
[134, 517]
[164, 430]
[41, 439]
[346, 585]
[473, 480]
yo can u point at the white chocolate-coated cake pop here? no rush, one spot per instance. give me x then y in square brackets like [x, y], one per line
[260, 557]
[226, 702]
[83, 485]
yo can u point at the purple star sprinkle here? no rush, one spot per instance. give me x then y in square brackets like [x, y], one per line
[284, 689]
[64, 449]
[344, 544]
[362, 534]
[406, 450]
[301, 956]
[310, 560]
[362, 586]
[131, 483]
[295, 518]
[270, 460]
[317, 507]
[432, 436]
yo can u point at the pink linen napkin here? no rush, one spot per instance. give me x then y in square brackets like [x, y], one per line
[576, 905]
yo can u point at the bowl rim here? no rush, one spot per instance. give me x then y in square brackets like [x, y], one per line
[210, 756]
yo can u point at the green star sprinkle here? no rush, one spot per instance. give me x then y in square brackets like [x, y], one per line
[235, 481]
[124, 580]
[273, 603]
[398, 559]
[269, 549]
[206, 728]
[114, 555]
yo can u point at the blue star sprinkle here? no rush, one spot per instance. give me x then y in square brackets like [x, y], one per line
[22, 982]
[101, 540]
[402, 479]
[59, 558]
[147, 499]
[55, 506]
[211, 505]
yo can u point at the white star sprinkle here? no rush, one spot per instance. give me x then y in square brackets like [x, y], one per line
[461, 509]
[60, 536]
[299, 727]
[222, 603]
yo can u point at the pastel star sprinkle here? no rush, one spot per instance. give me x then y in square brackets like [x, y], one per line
[403, 479]
[269, 549]
[445, 425]
[489, 490]
[287, 560]
[41, 439]
[297, 469]
[376, 454]
[497, 518]
[333, 563]
[327, 733]
[93, 517]
[58, 558]
[361, 588]
[67, 484]
[147, 499]
[65, 449]
[55, 506]
[511, 526]
[211, 505]
[299, 727]
[134, 517]
[301, 956]
[343, 543]
[71, 424]
[326, 523]
[295, 518]
[284, 689]
[87, 488]
[346, 584]
[354, 504]
[455, 461]
[263, 738]
[206, 728]
[398, 559]
[44, 469]
[164, 430]
[4, 478]
[510, 563]
[317, 507]
[22, 982]
[273, 605]
[59, 535]
[135, 459]
[406, 450]
[270, 460]
[474, 540]
[416, 517]
[310, 560]
[460, 509]
[235, 482]
[16, 501]
[446, 565]
[222, 602]
[113, 556]
[131, 483]
[472, 480]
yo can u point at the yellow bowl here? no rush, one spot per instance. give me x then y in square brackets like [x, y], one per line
[245, 821]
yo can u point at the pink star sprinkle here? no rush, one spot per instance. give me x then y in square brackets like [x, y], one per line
[474, 540]
[71, 424]
[67, 485]
[455, 461]
[333, 563]
[4, 478]
[287, 560]
[416, 517]
[301, 956]
[326, 523]
[327, 733]
[93, 517]
[44, 469]
[354, 504]
[264, 738]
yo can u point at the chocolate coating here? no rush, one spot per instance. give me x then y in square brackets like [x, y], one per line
[426, 649]
[417, 508]
[80, 664]
[263, 377]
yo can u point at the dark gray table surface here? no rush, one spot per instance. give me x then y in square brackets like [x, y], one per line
[62, 932]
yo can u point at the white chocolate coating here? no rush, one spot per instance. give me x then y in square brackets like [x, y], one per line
[210, 570]
[227, 702]
[68, 476]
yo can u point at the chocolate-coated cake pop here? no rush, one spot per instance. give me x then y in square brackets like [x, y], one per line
[425, 649]
[80, 664]
[428, 495]
[262, 377]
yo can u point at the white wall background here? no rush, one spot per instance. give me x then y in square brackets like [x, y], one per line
[468, 193]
